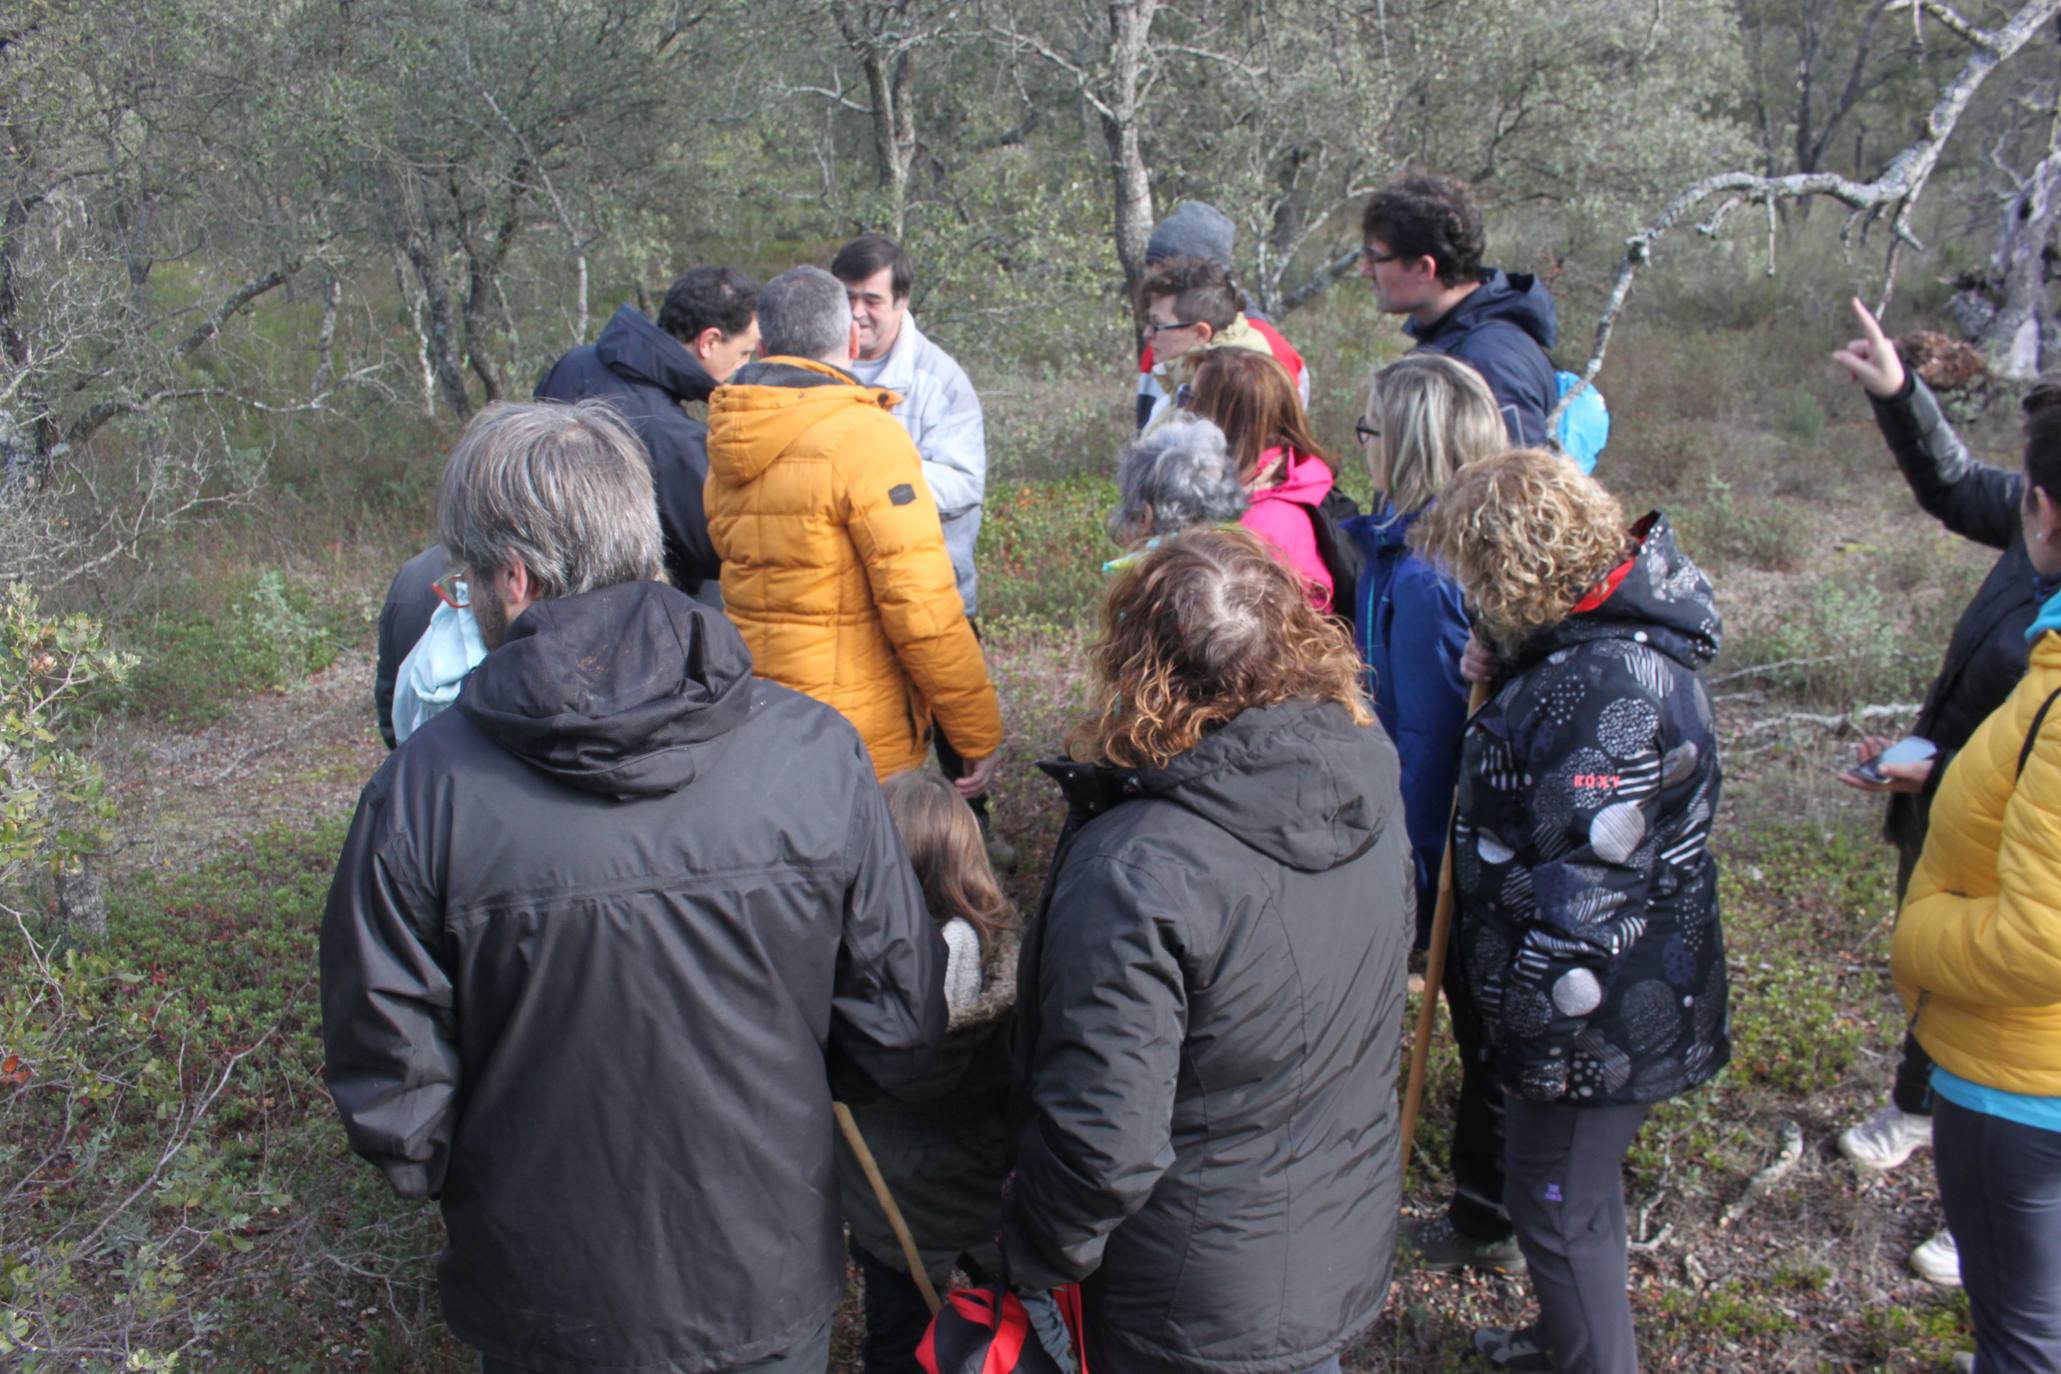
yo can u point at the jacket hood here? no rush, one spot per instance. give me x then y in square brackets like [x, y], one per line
[1298, 782]
[637, 350]
[1303, 479]
[1656, 597]
[616, 691]
[1515, 297]
[769, 404]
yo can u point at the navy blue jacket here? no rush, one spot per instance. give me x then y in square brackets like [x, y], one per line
[1411, 629]
[1502, 330]
[646, 373]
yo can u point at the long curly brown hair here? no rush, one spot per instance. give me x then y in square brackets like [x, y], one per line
[1205, 626]
[1526, 535]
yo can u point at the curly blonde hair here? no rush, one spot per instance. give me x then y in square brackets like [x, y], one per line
[1207, 625]
[1526, 534]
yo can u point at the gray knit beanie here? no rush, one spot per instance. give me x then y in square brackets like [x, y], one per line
[1194, 230]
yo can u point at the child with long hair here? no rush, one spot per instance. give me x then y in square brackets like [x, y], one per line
[1285, 472]
[943, 1156]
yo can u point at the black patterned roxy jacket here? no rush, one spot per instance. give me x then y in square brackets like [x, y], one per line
[1587, 894]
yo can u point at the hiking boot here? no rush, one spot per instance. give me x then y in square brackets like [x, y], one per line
[1938, 1260]
[1440, 1248]
[1886, 1139]
[1521, 1349]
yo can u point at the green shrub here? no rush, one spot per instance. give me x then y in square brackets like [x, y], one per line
[1716, 526]
[1042, 547]
[210, 644]
[179, 1192]
[1841, 647]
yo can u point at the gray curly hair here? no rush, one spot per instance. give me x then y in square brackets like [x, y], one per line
[1176, 475]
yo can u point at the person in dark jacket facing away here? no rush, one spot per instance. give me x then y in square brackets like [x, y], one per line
[411, 599]
[1421, 243]
[1985, 658]
[1211, 1000]
[1586, 891]
[602, 933]
[706, 330]
[942, 1145]
[1427, 418]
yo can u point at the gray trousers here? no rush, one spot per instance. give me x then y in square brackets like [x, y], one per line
[1564, 1185]
[2000, 1182]
[812, 1356]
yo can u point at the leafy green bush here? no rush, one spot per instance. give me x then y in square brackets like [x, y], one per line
[1717, 526]
[1840, 647]
[212, 643]
[1042, 547]
[178, 1188]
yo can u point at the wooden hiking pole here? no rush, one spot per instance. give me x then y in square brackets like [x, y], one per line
[850, 1127]
[1434, 967]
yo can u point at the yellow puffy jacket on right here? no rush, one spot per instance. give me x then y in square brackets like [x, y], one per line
[1977, 952]
[834, 563]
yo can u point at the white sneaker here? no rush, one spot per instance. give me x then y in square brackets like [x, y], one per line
[1938, 1260]
[1886, 1139]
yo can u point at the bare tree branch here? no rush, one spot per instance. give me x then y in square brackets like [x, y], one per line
[1893, 192]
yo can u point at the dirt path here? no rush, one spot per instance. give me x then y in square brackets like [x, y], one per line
[284, 758]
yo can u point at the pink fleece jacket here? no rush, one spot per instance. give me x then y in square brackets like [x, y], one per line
[1282, 514]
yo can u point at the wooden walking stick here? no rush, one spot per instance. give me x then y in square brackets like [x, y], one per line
[850, 1127]
[1434, 967]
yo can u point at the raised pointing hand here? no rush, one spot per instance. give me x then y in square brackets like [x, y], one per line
[1871, 359]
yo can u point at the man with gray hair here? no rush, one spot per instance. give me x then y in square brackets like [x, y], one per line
[834, 562]
[602, 934]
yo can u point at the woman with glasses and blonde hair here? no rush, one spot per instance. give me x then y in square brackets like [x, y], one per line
[1427, 417]
[1587, 908]
[1209, 1011]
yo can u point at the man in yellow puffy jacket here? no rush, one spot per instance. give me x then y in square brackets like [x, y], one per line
[834, 562]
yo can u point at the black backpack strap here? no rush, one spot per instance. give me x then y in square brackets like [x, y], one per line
[2032, 735]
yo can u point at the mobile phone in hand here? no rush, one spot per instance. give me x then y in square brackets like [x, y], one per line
[1909, 749]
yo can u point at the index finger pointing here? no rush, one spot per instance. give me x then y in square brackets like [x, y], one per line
[1869, 324]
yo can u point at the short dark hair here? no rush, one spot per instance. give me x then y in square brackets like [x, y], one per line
[1202, 291]
[1429, 216]
[2042, 407]
[709, 297]
[867, 254]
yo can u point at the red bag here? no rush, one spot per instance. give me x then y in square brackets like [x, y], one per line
[965, 1336]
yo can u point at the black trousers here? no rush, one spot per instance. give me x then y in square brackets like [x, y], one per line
[1476, 1156]
[896, 1315]
[1565, 1191]
[2000, 1182]
[953, 764]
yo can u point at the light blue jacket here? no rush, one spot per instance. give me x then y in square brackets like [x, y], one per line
[942, 414]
